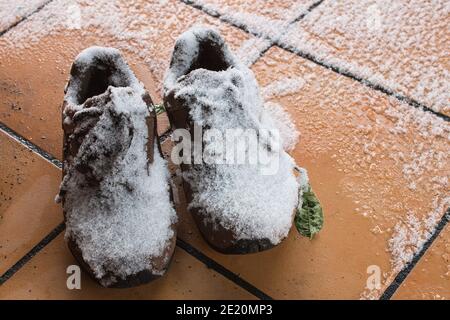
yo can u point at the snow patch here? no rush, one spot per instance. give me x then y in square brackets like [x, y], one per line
[278, 118]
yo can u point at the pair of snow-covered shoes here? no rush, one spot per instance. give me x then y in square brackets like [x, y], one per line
[116, 195]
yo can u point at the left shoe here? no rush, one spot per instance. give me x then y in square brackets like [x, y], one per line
[116, 196]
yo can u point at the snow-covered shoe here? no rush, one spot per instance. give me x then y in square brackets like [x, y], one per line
[239, 208]
[117, 201]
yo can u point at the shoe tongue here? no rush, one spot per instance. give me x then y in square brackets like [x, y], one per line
[104, 129]
[218, 99]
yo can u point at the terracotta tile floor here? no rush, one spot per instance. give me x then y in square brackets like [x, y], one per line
[378, 164]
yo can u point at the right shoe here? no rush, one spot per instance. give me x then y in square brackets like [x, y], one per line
[237, 209]
[115, 193]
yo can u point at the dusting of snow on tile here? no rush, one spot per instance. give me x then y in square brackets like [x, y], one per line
[251, 50]
[278, 118]
[117, 207]
[237, 196]
[409, 236]
[424, 167]
[282, 87]
[400, 45]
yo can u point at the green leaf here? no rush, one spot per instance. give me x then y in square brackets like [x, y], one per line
[309, 216]
[159, 108]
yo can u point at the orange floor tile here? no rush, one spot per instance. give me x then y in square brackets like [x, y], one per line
[28, 185]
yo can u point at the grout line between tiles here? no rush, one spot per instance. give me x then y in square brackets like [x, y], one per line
[311, 7]
[371, 85]
[403, 274]
[211, 264]
[55, 232]
[261, 53]
[44, 154]
[164, 136]
[24, 18]
[276, 42]
[30, 254]
[289, 23]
